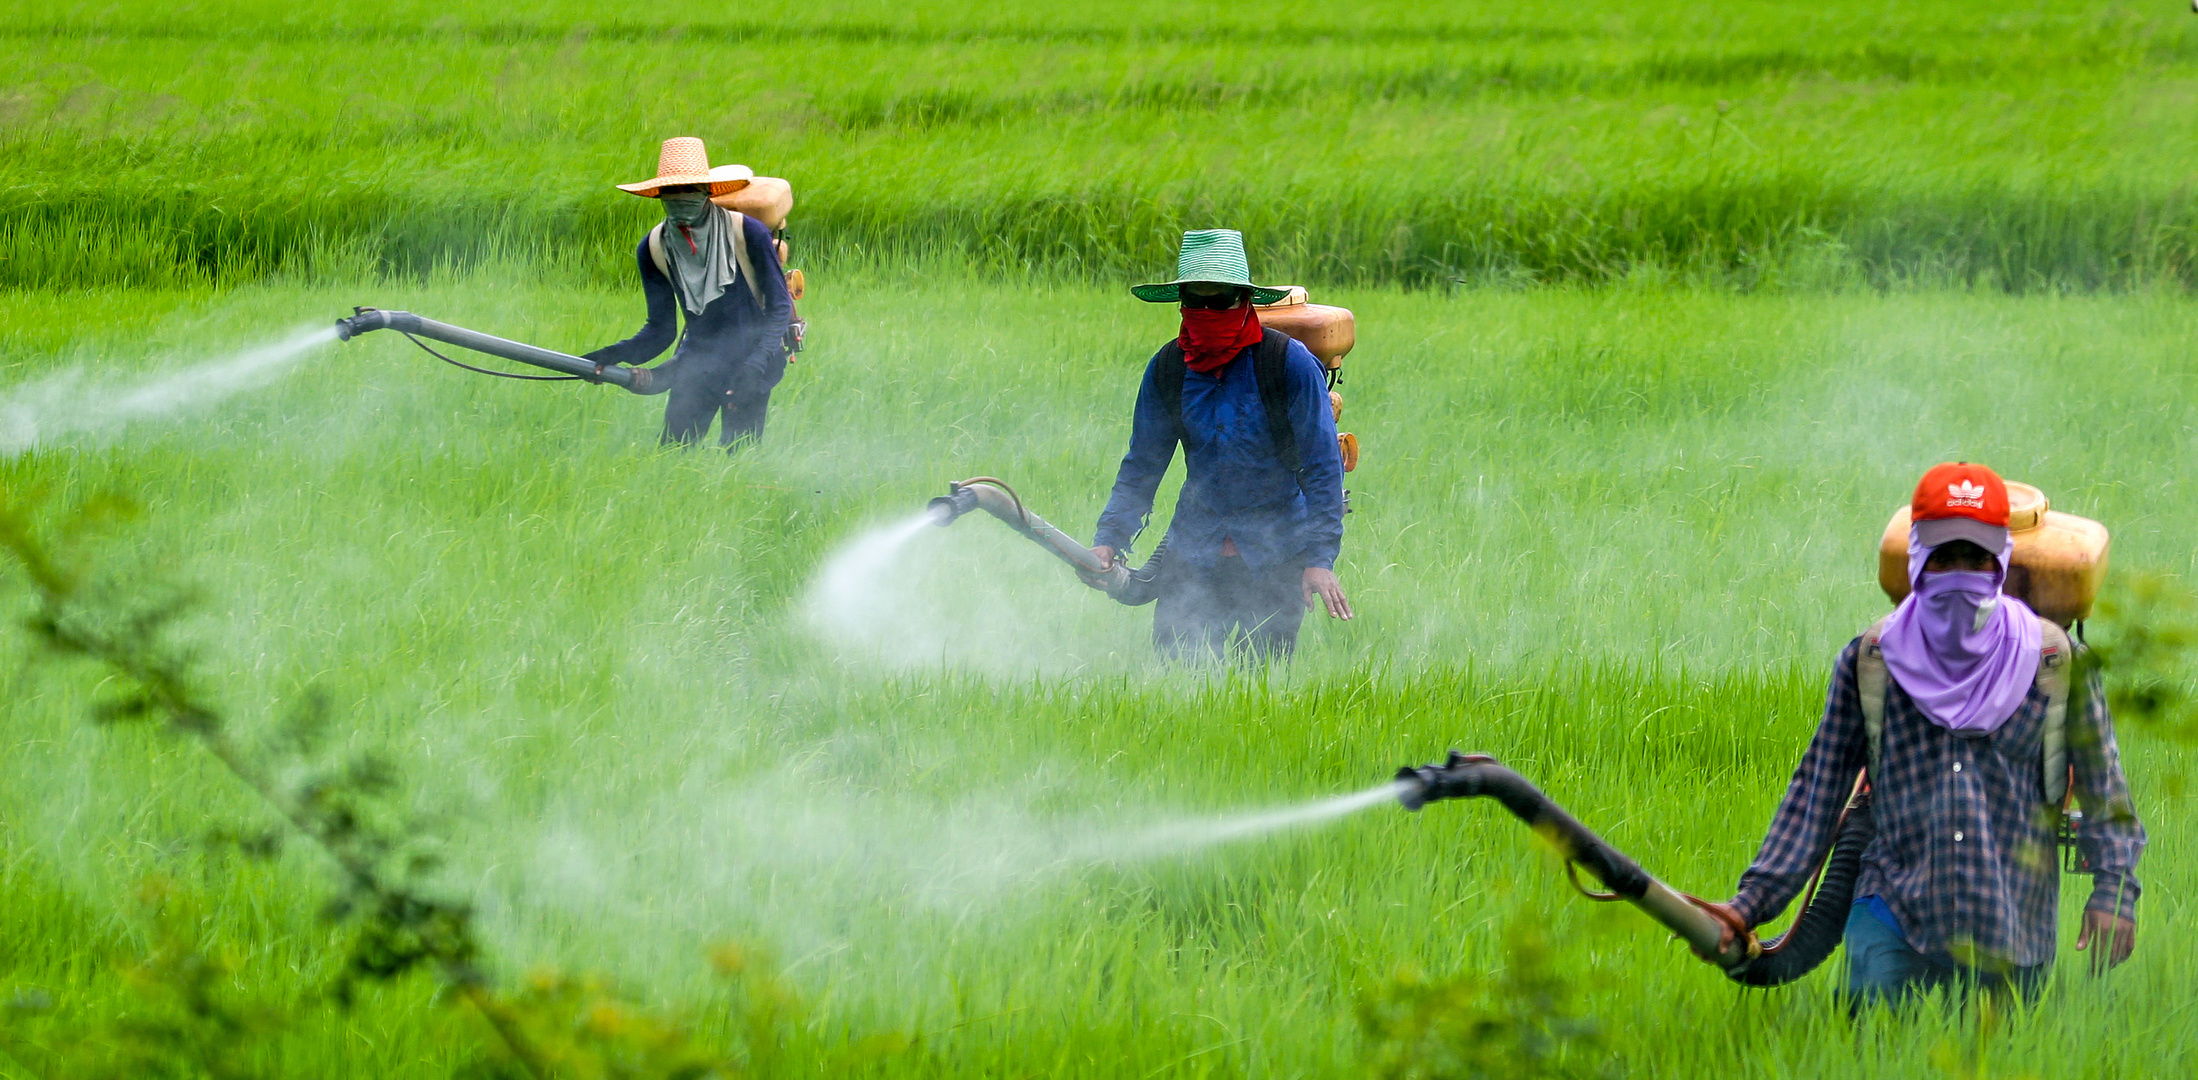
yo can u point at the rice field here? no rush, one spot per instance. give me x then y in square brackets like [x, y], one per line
[1724, 282]
[1754, 145]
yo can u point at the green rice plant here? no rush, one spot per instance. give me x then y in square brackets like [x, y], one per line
[1748, 145]
[1613, 536]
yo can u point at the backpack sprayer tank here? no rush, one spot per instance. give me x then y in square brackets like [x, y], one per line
[2057, 567]
[768, 199]
[1326, 332]
[1815, 933]
[404, 322]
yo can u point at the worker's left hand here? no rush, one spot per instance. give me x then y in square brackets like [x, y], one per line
[1731, 927]
[1321, 587]
[2116, 936]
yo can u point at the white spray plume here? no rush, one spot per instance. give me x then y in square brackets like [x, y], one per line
[868, 865]
[975, 597]
[845, 598]
[72, 403]
[1189, 835]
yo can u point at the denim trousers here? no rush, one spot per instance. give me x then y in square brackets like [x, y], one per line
[1883, 968]
[1229, 610]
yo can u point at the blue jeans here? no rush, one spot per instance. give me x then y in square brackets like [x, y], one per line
[1882, 967]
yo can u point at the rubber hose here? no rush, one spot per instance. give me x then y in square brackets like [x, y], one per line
[1813, 936]
[1143, 584]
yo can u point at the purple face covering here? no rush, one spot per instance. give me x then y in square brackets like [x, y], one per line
[1965, 653]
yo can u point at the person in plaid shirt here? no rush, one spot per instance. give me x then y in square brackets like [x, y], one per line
[1960, 886]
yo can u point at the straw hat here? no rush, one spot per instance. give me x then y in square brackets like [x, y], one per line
[683, 161]
[1209, 255]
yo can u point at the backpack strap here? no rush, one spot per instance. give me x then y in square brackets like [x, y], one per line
[740, 256]
[1168, 372]
[656, 251]
[2054, 656]
[1271, 365]
[1270, 368]
[741, 260]
[1871, 680]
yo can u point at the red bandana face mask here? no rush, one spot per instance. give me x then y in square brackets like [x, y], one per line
[1211, 339]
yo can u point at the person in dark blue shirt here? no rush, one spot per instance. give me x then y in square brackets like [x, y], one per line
[721, 271]
[1259, 522]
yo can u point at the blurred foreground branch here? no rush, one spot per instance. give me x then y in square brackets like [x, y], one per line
[1525, 1021]
[2148, 627]
[400, 926]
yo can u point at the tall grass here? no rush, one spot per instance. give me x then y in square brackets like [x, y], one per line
[2043, 148]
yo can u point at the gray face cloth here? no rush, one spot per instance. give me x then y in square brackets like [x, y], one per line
[698, 242]
[684, 207]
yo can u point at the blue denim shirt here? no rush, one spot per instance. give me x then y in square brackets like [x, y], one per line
[1236, 487]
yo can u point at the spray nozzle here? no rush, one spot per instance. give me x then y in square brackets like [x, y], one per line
[362, 320]
[1459, 776]
[958, 500]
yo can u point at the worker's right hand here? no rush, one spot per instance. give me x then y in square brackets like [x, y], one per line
[1105, 555]
[1732, 926]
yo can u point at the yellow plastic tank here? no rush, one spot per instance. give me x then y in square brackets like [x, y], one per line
[2057, 568]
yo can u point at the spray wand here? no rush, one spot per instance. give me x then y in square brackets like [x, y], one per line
[567, 366]
[1813, 936]
[992, 495]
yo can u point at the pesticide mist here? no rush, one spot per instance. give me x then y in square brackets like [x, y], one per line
[1194, 834]
[873, 867]
[79, 403]
[973, 596]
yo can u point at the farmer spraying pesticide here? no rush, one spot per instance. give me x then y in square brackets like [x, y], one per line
[1955, 745]
[1248, 388]
[1960, 707]
[717, 256]
[1260, 519]
[719, 270]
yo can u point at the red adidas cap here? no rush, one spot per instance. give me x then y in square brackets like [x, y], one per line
[1960, 501]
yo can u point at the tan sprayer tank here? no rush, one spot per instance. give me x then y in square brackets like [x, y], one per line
[2058, 565]
[767, 199]
[1326, 332]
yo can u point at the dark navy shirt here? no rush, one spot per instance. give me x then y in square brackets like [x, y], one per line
[730, 331]
[1236, 487]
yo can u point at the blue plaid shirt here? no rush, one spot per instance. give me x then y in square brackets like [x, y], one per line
[1964, 853]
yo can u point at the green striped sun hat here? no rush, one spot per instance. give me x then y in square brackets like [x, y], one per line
[1209, 255]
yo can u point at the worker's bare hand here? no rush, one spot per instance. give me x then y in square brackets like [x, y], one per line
[1730, 923]
[2118, 936]
[1321, 587]
[1105, 555]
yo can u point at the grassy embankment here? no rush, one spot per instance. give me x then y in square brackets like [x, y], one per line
[1612, 536]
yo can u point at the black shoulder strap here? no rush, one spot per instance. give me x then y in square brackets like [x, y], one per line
[1271, 365]
[1168, 370]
